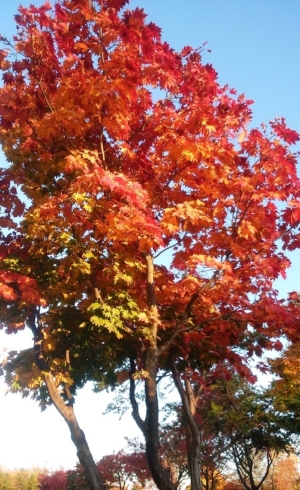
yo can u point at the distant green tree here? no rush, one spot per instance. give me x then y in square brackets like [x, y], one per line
[243, 416]
[19, 479]
[236, 422]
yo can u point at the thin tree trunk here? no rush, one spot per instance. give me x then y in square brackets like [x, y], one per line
[66, 411]
[193, 436]
[77, 435]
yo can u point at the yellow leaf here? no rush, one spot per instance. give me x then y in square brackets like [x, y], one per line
[141, 374]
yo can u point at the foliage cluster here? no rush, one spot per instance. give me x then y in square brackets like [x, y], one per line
[121, 471]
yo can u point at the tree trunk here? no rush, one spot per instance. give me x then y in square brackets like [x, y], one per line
[193, 436]
[67, 412]
[150, 426]
[160, 475]
[77, 435]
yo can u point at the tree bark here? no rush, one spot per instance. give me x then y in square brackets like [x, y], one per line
[193, 436]
[85, 457]
[77, 435]
[150, 426]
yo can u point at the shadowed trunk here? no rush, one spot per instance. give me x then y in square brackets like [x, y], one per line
[150, 426]
[193, 436]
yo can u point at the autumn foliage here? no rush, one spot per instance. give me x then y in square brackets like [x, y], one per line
[123, 155]
[120, 471]
[110, 173]
[53, 481]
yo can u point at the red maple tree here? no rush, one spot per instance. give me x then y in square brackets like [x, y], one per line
[102, 179]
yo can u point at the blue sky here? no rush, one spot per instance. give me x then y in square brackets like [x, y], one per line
[255, 48]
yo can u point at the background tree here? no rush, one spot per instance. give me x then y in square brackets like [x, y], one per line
[285, 387]
[238, 426]
[237, 423]
[119, 471]
[246, 419]
[173, 451]
[102, 178]
[124, 470]
[19, 479]
[286, 472]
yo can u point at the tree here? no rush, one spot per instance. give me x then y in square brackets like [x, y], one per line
[122, 470]
[252, 429]
[102, 178]
[56, 480]
[19, 479]
[286, 472]
[119, 471]
[285, 387]
[172, 451]
[236, 423]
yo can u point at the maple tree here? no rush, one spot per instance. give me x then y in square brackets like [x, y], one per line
[56, 480]
[102, 178]
[173, 451]
[122, 470]
[119, 471]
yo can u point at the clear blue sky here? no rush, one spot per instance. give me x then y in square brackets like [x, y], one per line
[255, 48]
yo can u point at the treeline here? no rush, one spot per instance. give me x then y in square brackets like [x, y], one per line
[120, 474]
[121, 470]
[20, 479]
[124, 471]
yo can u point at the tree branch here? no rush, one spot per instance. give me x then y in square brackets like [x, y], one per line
[184, 399]
[135, 408]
